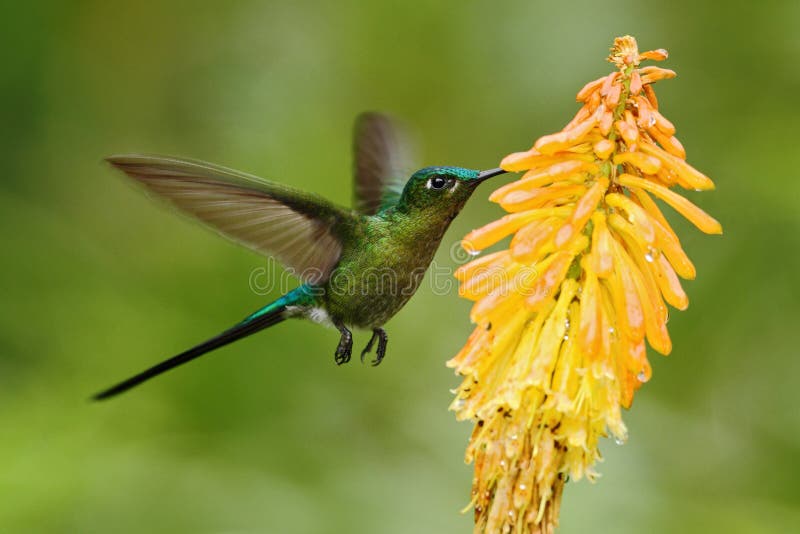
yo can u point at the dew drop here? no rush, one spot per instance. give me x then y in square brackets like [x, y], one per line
[459, 404]
[513, 437]
[523, 487]
[473, 252]
[652, 121]
[641, 377]
[611, 330]
[619, 441]
[649, 257]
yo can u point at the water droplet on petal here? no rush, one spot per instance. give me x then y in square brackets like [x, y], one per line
[641, 377]
[473, 252]
[649, 257]
[611, 330]
[619, 441]
[652, 121]
[459, 404]
[522, 487]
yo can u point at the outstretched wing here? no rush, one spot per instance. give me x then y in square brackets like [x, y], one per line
[381, 156]
[301, 230]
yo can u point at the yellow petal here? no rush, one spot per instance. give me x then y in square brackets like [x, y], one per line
[636, 215]
[648, 164]
[693, 178]
[625, 297]
[705, 222]
[589, 336]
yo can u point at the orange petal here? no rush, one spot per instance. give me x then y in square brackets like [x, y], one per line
[644, 112]
[606, 120]
[654, 74]
[705, 222]
[580, 116]
[589, 88]
[583, 210]
[525, 200]
[663, 124]
[500, 260]
[485, 281]
[603, 148]
[549, 280]
[655, 313]
[488, 235]
[601, 246]
[650, 94]
[636, 83]
[628, 133]
[670, 144]
[666, 239]
[528, 245]
[655, 55]
[562, 170]
[612, 99]
[669, 284]
[503, 299]
[549, 144]
[608, 81]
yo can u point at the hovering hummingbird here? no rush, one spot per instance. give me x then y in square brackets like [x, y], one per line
[358, 267]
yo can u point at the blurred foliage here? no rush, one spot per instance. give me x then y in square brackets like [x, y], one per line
[268, 435]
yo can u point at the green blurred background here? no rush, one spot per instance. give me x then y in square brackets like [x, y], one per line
[268, 435]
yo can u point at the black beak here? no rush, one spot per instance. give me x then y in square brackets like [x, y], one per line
[484, 175]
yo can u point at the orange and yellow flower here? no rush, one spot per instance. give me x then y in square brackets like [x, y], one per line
[564, 313]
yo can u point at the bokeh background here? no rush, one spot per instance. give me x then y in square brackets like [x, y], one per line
[268, 435]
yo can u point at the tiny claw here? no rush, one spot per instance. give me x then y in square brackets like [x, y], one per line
[345, 347]
[383, 340]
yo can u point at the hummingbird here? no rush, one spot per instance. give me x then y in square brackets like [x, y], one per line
[358, 267]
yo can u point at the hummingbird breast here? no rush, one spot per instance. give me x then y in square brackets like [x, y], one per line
[380, 272]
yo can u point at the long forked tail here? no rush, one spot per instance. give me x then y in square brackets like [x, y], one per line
[267, 316]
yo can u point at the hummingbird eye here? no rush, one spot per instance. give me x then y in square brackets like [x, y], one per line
[437, 182]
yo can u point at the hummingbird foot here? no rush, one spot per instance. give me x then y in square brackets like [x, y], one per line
[383, 339]
[345, 347]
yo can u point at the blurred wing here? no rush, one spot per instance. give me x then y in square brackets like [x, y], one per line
[300, 230]
[381, 155]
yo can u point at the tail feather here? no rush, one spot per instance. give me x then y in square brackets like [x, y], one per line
[268, 316]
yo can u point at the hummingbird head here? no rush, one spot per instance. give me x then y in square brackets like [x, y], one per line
[442, 189]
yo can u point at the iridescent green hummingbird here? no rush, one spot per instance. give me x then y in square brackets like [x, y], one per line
[358, 267]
